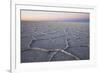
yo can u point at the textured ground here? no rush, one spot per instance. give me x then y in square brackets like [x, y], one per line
[54, 41]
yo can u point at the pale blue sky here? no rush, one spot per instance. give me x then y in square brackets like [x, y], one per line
[53, 16]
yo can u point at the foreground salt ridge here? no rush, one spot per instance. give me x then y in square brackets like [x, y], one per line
[55, 51]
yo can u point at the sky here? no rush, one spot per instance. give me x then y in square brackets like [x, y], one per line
[53, 16]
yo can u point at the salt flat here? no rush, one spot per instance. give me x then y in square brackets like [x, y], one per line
[73, 37]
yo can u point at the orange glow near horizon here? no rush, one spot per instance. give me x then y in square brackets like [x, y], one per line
[51, 16]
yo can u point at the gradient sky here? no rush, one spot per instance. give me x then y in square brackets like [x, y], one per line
[53, 16]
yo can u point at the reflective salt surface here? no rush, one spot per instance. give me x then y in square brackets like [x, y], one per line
[70, 37]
